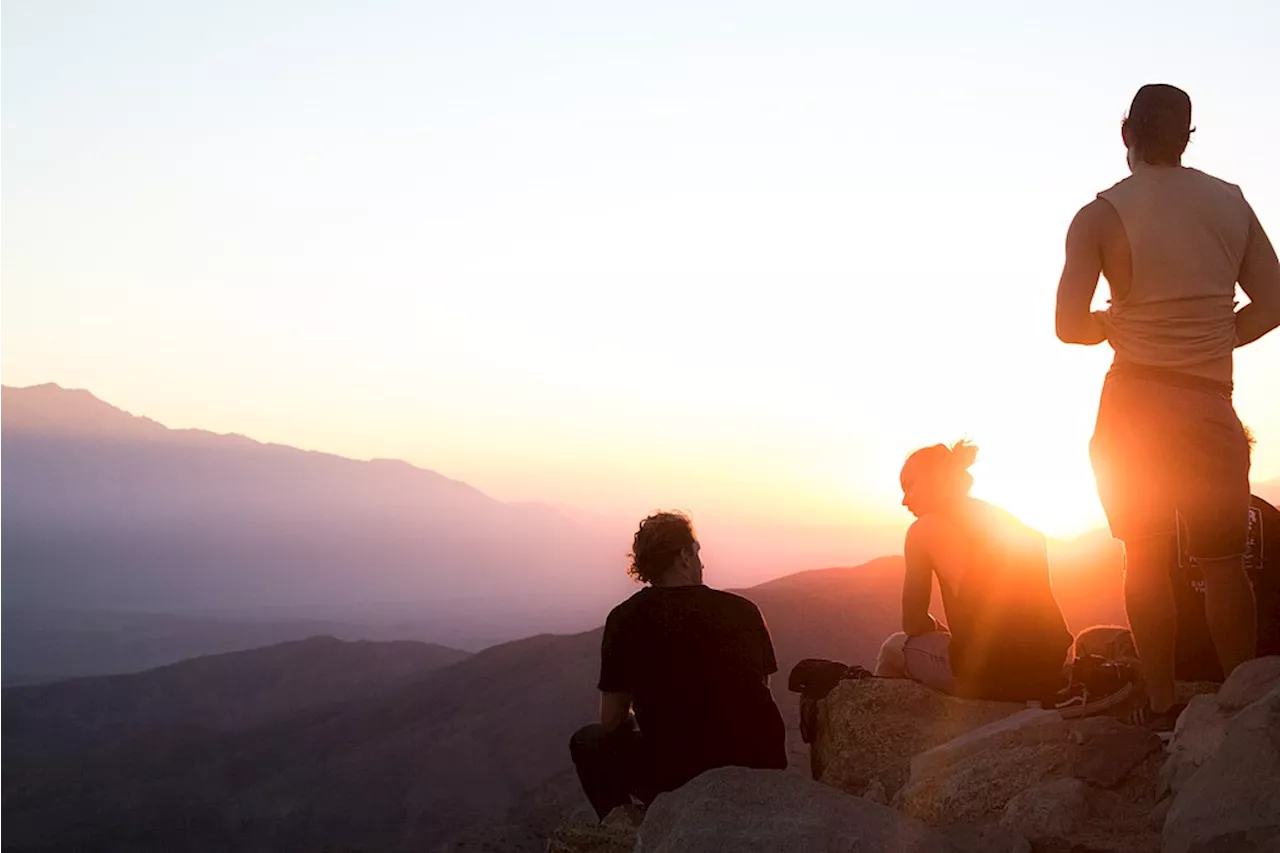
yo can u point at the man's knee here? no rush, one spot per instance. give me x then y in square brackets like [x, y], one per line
[892, 660]
[587, 741]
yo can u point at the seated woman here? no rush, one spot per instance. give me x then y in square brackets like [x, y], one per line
[1007, 639]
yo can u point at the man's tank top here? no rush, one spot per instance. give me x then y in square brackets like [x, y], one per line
[1187, 234]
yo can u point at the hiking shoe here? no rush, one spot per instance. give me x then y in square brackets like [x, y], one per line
[1097, 685]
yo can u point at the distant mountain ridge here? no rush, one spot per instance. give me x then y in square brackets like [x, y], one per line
[103, 509]
[201, 536]
[108, 514]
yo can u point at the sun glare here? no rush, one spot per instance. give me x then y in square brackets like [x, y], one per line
[1054, 496]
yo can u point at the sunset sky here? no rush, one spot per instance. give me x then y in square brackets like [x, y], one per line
[738, 258]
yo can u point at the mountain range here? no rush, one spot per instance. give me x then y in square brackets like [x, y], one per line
[128, 545]
[142, 545]
[288, 748]
[324, 744]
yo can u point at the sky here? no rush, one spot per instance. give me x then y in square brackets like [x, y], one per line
[737, 258]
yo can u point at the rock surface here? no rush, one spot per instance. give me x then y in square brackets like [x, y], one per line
[975, 780]
[868, 730]
[1107, 751]
[1048, 810]
[735, 809]
[1202, 727]
[1106, 769]
[583, 834]
[1232, 801]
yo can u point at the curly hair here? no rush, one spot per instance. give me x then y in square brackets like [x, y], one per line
[658, 542]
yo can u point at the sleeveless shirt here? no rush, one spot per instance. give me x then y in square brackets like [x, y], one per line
[1187, 235]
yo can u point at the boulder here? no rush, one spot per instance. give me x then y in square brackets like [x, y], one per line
[1198, 734]
[1250, 682]
[876, 793]
[583, 834]
[973, 780]
[1026, 778]
[988, 838]
[733, 808]
[1232, 802]
[1048, 810]
[1203, 725]
[934, 760]
[869, 730]
[1107, 751]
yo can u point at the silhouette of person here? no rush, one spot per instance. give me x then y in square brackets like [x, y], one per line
[694, 663]
[1006, 638]
[1168, 450]
[1195, 658]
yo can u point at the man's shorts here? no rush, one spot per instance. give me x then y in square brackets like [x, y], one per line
[928, 659]
[1167, 447]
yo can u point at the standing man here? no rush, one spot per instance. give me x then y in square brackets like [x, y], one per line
[694, 663]
[1168, 451]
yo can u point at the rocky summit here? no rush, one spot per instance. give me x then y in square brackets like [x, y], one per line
[902, 768]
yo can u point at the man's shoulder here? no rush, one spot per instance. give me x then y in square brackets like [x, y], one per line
[1214, 181]
[731, 600]
[1098, 215]
[628, 606]
[1123, 185]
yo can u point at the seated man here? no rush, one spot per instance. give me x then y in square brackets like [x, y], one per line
[1007, 639]
[694, 662]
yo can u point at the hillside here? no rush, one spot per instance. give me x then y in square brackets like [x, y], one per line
[396, 769]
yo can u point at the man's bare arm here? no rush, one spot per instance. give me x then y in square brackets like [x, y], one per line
[1260, 280]
[1074, 322]
[917, 583]
[614, 708]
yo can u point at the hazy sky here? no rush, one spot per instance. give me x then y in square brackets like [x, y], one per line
[738, 258]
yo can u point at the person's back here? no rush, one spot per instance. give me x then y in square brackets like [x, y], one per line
[1006, 637]
[1006, 592]
[1186, 235]
[694, 663]
[695, 660]
[1168, 449]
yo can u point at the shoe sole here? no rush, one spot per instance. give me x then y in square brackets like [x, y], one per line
[1089, 709]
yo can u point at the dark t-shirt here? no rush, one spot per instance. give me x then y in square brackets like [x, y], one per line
[1195, 657]
[694, 660]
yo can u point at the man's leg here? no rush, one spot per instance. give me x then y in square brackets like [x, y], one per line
[928, 660]
[892, 662]
[1230, 610]
[1153, 615]
[1217, 520]
[604, 763]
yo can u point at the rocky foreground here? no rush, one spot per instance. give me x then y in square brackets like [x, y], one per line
[902, 769]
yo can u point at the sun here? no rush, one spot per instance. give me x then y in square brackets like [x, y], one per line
[1054, 495]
